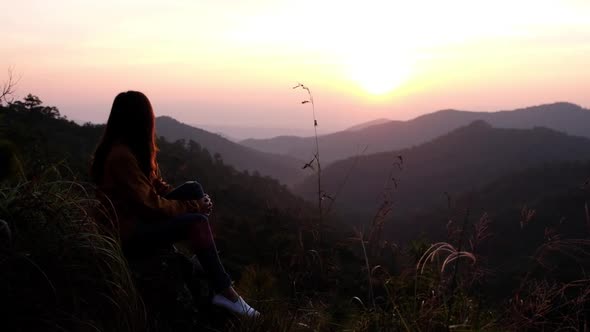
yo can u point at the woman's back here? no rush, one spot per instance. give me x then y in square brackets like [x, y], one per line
[132, 194]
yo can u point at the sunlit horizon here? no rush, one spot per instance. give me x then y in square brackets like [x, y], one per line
[234, 63]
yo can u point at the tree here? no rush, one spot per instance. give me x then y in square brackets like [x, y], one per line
[32, 103]
[7, 88]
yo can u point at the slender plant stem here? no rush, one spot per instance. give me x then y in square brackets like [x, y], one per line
[368, 266]
[317, 156]
[317, 148]
[456, 271]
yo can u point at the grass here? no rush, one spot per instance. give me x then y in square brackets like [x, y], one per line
[62, 271]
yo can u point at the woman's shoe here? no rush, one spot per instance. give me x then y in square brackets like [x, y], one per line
[239, 307]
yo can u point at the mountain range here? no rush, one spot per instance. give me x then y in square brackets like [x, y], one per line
[395, 135]
[424, 177]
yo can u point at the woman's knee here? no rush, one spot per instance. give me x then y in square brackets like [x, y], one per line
[196, 189]
[200, 232]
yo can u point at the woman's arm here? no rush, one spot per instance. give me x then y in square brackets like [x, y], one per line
[133, 184]
[161, 186]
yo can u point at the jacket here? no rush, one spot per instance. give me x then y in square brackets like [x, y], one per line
[135, 197]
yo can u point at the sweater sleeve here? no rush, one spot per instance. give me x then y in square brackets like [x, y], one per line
[135, 185]
[161, 186]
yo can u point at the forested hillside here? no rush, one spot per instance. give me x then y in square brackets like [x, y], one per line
[283, 168]
[553, 194]
[461, 161]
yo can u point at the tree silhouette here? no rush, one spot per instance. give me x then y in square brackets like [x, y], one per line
[32, 103]
[7, 87]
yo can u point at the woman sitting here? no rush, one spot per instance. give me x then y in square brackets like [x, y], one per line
[150, 213]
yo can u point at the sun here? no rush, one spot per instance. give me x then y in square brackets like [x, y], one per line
[379, 74]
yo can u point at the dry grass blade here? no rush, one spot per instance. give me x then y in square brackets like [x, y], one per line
[440, 248]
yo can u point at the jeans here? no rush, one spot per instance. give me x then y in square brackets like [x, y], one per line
[193, 227]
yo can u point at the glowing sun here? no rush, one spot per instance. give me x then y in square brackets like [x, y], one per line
[379, 74]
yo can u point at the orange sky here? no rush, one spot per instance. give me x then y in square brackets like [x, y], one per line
[234, 62]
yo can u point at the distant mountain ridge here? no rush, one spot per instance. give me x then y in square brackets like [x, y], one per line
[239, 133]
[393, 135]
[283, 168]
[460, 161]
[368, 124]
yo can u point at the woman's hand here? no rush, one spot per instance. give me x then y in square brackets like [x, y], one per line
[206, 205]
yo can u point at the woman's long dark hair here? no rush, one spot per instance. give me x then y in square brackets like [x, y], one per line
[132, 123]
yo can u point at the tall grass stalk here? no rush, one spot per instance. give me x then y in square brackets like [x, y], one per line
[456, 268]
[368, 267]
[317, 148]
[345, 180]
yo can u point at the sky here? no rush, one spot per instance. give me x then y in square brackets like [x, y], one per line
[234, 63]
